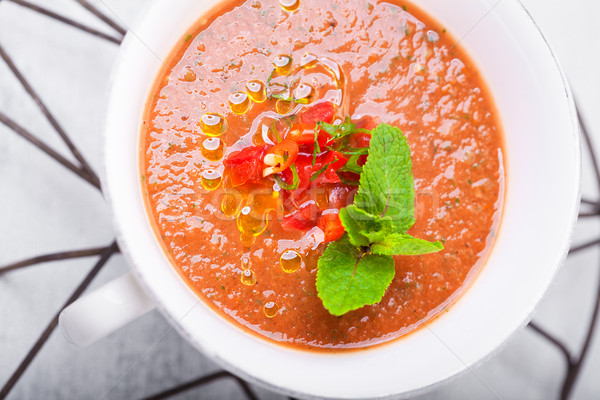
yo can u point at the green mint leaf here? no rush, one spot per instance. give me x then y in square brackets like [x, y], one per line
[404, 245]
[356, 270]
[364, 228]
[348, 278]
[386, 183]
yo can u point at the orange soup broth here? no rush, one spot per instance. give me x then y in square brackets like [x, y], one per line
[396, 66]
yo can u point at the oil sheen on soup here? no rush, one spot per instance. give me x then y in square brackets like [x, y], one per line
[246, 76]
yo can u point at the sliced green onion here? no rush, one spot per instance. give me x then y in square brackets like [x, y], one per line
[275, 132]
[323, 169]
[295, 179]
[352, 165]
[317, 148]
[347, 181]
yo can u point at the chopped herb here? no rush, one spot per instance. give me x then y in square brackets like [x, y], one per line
[352, 164]
[295, 179]
[275, 132]
[323, 169]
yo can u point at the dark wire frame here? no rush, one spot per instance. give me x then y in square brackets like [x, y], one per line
[573, 360]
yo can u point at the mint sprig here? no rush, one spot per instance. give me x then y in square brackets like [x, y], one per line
[357, 269]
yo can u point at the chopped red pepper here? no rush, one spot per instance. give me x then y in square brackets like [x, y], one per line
[245, 165]
[331, 225]
[282, 156]
[304, 218]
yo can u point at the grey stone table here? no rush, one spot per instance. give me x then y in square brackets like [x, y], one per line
[45, 209]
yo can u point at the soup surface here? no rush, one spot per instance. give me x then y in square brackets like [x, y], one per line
[245, 77]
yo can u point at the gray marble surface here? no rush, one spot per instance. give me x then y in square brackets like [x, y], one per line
[45, 209]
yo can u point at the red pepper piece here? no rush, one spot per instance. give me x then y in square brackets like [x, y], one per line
[284, 155]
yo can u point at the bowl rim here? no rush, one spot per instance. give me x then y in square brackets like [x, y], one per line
[137, 269]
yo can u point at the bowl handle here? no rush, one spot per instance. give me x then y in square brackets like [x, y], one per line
[104, 310]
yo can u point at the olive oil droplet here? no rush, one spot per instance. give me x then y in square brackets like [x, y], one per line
[229, 205]
[283, 64]
[284, 106]
[250, 223]
[211, 179]
[245, 262]
[303, 93]
[239, 102]
[247, 239]
[289, 5]
[212, 149]
[270, 309]
[213, 124]
[257, 91]
[290, 261]
[248, 277]
[308, 60]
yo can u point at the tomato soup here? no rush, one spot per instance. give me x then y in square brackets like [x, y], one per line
[253, 74]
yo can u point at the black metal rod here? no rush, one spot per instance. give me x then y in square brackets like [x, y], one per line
[189, 385]
[65, 255]
[102, 16]
[589, 214]
[560, 345]
[573, 372]
[590, 145]
[29, 89]
[18, 373]
[25, 134]
[590, 202]
[575, 249]
[246, 388]
[66, 20]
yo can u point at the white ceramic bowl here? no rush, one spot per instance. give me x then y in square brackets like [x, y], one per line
[542, 198]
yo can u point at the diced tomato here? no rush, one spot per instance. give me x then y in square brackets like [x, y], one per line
[340, 196]
[307, 137]
[283, 155]
[304, 218]
[319, 112]
[331, 225]
[245, 165]
[367, 122]
[330, 174]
